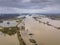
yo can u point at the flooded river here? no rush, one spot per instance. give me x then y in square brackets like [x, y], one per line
[43, 34]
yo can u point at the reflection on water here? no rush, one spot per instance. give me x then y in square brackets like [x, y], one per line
[8, 23]
[8, 36]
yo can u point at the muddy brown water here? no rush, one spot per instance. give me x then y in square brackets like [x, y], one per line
[43, 34]
[8, 40]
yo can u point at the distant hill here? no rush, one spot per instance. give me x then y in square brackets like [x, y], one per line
[8, 16]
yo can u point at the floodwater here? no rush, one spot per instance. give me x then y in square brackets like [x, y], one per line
[43, 34]
[8, 40]
[11, 23]
[52, 22]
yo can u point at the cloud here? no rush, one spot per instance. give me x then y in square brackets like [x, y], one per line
[34, 6]
[23, 3]
[26, 1]
[18, 10]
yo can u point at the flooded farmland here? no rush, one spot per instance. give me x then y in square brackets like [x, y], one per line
[35, 32]
[8, 40]
[8, 34]
[43, 34]
[29, 22]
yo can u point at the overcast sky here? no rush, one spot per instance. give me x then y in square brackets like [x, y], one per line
[30, 6]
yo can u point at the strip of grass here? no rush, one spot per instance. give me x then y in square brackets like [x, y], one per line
[9, 30]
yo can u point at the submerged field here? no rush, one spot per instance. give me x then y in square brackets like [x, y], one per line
[33, 31]
[43, 33]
